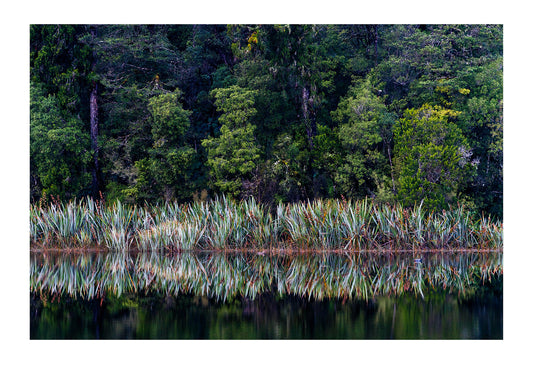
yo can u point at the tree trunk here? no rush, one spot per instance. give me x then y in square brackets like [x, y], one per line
[309, 116]
[94, 138]
[391, 169]
[93, 103]
[376, 46]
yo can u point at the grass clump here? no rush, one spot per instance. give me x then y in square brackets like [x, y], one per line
[223, 224]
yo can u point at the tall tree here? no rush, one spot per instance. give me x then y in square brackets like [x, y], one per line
[432, 157]
[59, 111]
[293, 68]
[132, 63]
[60, 153]
[233, 155]
[93, 103]
[304, 111]
[166, 173]
[365, 127]
[481, 89]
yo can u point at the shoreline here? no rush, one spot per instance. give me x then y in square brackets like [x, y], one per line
[263, 251]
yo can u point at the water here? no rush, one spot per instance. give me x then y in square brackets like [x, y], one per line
[247, 296]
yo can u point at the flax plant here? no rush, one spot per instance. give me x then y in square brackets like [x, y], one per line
[224, 224]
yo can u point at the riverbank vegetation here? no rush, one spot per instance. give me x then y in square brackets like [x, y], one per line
[227, 224]
[290, 114]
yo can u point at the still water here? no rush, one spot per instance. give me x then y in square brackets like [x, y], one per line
[250, 296]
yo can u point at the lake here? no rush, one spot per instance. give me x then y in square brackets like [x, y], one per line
[292, 295]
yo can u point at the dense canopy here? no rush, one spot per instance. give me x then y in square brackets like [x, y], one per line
[397, 113]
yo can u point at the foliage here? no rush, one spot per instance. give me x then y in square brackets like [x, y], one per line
[432, 157]
[232, 156]
[278, 112]
[166, 172]
[363, 121]
[224, 224]
[481, 119]
[225, 276]
[59, 149]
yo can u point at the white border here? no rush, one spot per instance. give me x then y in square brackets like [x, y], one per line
[481, 358]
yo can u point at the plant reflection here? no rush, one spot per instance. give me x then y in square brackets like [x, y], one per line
[225, 276]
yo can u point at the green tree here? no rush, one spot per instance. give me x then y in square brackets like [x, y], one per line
[233, 155]
[295, 70]
[59, 150]
[166, 173]
[284, 178]
[305, 111]
[59, 111]
[364, 128]
[60, 63]
[131, 64]
[417, 58]
[432, 157]
[481, 118]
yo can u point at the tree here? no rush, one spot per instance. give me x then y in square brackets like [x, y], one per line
[60, 64]
[132, 63]
[284, 178]
[417, 58]
[481, 119]
[364, 127]
[233, 155]
[304, 111]
[60, 154]
[166, 173]
[59, 111]
[432, 157]
[294, 69]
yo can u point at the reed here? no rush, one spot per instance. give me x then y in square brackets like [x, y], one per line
[224, 224]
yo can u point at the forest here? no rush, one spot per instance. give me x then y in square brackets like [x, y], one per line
[404, 114]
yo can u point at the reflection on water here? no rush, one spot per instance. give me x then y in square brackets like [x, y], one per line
[228, 275]
[440, 316]
[250, 296]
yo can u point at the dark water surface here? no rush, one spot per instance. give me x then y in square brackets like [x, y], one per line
[249, 296]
